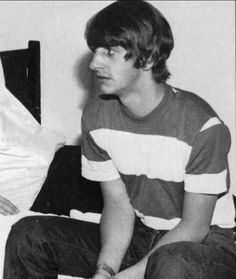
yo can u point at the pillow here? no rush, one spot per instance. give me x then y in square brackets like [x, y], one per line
[26, 151]
[65, 188]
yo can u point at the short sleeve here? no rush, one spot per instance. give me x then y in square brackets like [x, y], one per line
[96, 163]
[207, 167]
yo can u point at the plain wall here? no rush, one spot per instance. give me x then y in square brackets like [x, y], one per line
[203, 60]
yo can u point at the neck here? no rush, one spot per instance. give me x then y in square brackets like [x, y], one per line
[142, 101]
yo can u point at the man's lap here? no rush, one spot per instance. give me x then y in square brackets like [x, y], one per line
[77, 243]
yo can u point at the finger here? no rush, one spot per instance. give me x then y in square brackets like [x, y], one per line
[6, 207]
[7, 202]
[8, 211]
[5, 212]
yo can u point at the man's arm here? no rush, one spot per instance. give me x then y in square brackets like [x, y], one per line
[116, 225]
[194, 226]
[196, 219]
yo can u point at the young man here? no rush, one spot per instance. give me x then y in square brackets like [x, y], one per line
[160, 154]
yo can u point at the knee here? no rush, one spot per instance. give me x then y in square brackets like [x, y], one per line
[170, 261]
[25, 236]
[29, 249]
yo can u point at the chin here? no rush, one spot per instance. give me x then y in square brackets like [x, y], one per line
[107, 91]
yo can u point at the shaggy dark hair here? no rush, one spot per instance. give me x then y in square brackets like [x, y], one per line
[138, 27]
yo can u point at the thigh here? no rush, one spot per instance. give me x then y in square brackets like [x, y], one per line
[77, 243]
[191, 260]
[50, 244]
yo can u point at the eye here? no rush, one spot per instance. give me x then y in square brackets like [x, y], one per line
[110, 51]
[93, 49]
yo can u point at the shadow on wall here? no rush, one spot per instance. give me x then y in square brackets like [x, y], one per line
[85, 79]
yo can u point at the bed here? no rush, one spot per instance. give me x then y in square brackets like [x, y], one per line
[64, 188]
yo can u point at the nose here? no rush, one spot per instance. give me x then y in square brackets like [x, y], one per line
[96, 62]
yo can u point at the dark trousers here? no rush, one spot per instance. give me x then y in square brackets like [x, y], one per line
[40, 247]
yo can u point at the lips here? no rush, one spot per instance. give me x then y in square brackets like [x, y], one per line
[102, 77]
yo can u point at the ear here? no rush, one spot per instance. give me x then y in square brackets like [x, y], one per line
[149, 64]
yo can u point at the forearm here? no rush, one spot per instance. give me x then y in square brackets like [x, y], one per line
[194, 226]
[117, 225]
[183, 232]
[180, 233]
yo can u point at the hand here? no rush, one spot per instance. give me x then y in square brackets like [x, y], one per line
[134, 272]
[101, 275]
[6, 207]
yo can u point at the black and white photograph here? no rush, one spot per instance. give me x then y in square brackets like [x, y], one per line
[117, 140]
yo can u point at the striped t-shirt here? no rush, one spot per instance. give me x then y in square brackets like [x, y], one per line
[181, 145]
